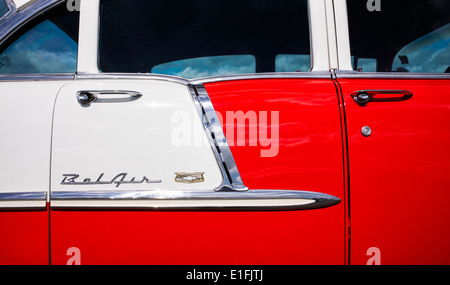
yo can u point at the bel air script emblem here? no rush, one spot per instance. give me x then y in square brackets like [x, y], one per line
[119, 179]
[195, 177]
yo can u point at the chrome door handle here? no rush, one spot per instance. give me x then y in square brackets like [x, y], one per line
[87, 97]
[362, 97]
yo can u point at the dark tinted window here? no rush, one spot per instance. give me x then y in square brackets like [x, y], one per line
[400, 35]
[196, 38]
[48, 45]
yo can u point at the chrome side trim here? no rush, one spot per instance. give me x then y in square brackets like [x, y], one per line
[330, 23]
[204, 80]
[131, 76]
[23, 200]
[198, 81]
[37, 77]
[272, 75]
[390, 75]
[23, 196]
[193, 200]
[232, 180]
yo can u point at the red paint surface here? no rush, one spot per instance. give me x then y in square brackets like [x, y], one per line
[310, 145]
[24, 237]
[399, 176]
[140, 237]
[309, 158]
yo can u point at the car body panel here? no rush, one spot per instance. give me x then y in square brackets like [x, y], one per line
[155, 136]
[25, 237]
[245, 237]
[26, 123]
[399, 174]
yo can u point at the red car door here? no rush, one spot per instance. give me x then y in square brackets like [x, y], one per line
[397, 113]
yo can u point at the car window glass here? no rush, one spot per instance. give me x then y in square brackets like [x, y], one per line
[3, 8]
[48, 47]
[430, 53]
[292, 63]
[364, 64]
[203, 37]
[400, 36]
[208, 66]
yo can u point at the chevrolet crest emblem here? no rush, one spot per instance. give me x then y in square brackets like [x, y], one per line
[184, 177]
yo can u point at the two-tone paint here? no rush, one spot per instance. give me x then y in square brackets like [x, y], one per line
[324, 194]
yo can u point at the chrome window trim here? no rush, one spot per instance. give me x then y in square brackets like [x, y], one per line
[340, 74]
[23, 200]
[193, 200]
[131, 76]
[333, 59]
[37, 77]
[213, 79]
[271, 75]
[204, 80]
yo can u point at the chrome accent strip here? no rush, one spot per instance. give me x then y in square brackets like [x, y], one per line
[204, 80]
[330, 23]
[390, 75]
[23, 200]
[37, 77]
[271, 75]
[340, 74]
[232, 180]
[131, 76]
[193, 200]
[23, 196]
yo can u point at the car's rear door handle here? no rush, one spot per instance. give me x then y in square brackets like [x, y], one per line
[87, 97]
[362, 97]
